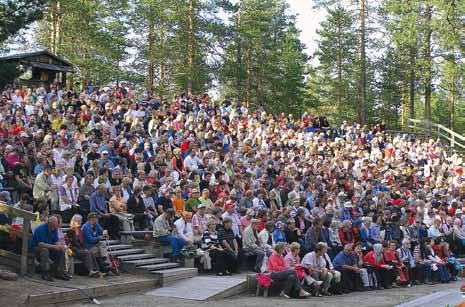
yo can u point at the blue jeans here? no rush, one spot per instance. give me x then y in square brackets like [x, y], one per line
[175, 242]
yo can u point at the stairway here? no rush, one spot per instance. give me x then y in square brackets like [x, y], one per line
[136, 260]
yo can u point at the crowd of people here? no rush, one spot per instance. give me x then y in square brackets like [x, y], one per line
[329, 209]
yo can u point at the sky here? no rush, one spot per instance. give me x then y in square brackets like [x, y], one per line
[308, 21]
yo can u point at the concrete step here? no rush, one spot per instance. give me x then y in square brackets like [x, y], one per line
[113, 242]
[171, 275]
[130, 251]
[134, 257]
[161, 266]
[120, 246]
[148, 261]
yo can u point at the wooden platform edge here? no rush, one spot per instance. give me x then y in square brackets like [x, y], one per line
[235, 290]
[98, 291]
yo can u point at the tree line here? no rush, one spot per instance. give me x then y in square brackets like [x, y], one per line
[388, 59]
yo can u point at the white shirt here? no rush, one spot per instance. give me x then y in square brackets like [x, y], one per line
[184, 230]
[191, 163]
[313, 261]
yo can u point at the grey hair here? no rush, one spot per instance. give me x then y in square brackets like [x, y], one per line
[52, 219]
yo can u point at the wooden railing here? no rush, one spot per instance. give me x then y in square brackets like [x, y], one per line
[454, 139]
[24, 234]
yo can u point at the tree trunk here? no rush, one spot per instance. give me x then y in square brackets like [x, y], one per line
[363, 73]
[151, 42]
[339, 68]
[453, 97]
[412, 82]
[161, 90]
[238, 53]
[248, 78]
[427, 60]
[52, 37]
[190, 42]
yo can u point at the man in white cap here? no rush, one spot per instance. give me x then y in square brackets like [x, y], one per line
[346, 212]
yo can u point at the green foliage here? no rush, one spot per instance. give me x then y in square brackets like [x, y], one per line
[17, 14]
[90, 34]
[333, 87]
[250, 50]
[264, 62]
[8, 72]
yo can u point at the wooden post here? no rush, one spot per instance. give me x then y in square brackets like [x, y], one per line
[25, 246]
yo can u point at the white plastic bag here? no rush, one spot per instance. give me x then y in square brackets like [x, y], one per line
[264, 267]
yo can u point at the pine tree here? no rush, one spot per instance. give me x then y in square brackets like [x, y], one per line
[334, 84]
[15, 15]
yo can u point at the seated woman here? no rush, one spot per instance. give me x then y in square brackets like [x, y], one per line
[278, 234]
[75, 239]
[292, 261]
[345, 233]
[211, 245]
[68, 198]
[436, 263]
[119, 208]
[391, 257]
[385, 273]
[280, 273]
[451, 263]
[137, 208]
[458, 237]
[423, 269]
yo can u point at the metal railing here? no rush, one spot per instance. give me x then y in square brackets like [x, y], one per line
[431, 129]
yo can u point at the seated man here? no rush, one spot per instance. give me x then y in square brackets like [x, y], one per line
[98, 205]
[199, 220]
[346, 263]
[94, 237]
[252, 244]
[44, 244]
[163, 230]
[228, 242]
[315, 262]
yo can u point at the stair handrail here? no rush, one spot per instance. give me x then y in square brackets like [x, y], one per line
[439, 130]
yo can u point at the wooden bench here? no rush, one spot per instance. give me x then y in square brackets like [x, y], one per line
[273, 290]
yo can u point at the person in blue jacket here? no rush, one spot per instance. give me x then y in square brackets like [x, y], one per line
[94, 240]
[44, 243]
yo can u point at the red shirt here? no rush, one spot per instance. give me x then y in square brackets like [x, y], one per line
[346, 237]
[276, 263]
[391, 255]
[371, 260]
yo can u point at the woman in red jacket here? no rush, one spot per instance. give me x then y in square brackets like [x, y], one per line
[391, 257]
[346, 234]
[384, 273]
[280, 273]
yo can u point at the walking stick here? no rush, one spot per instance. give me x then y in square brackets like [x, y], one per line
[111, 258]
